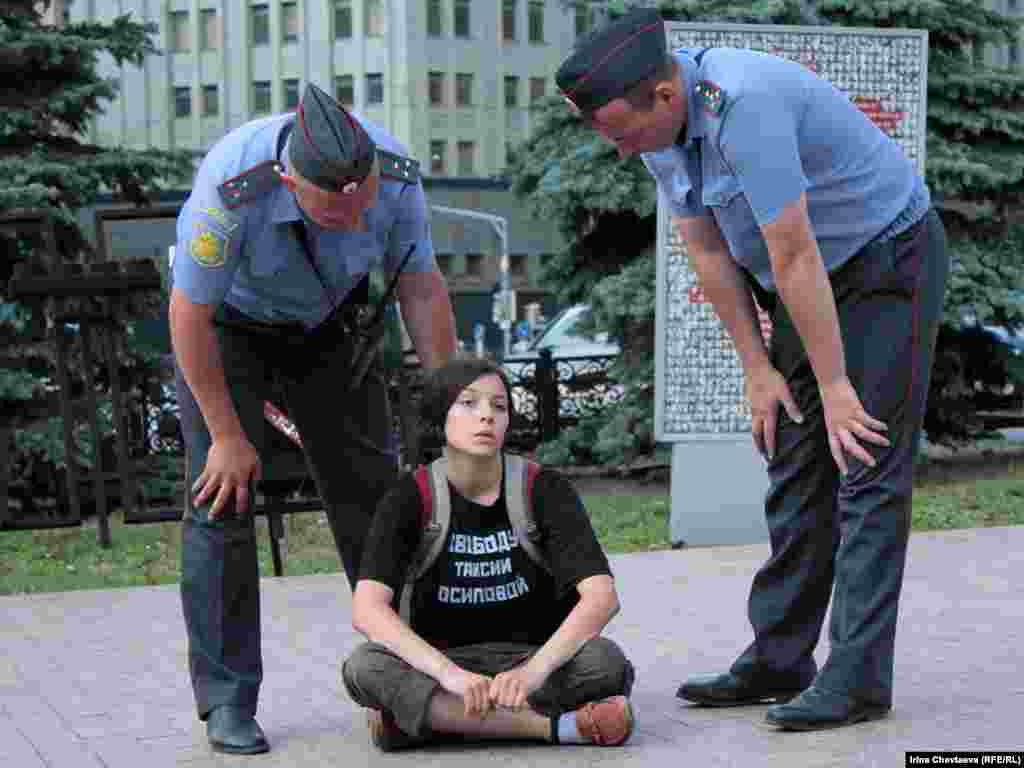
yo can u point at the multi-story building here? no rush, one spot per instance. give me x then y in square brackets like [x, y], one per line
[452, 79]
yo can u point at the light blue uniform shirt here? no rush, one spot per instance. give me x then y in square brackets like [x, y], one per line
[782, 132]
[250, 257]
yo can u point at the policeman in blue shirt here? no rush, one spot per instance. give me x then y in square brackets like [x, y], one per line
[286, 218]
[779, 186]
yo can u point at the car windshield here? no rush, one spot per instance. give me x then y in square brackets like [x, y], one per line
[567, 329]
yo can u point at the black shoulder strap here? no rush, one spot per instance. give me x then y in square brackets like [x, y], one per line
[700, 55]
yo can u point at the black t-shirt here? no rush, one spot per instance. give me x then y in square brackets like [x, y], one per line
[483, 587]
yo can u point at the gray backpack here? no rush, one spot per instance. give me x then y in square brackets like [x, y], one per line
[436, 513]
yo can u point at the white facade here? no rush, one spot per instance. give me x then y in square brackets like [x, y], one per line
[225, 62]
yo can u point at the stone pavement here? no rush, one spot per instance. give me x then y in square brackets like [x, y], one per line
[98, 679]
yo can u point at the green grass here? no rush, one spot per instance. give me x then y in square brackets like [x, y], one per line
[70, 558]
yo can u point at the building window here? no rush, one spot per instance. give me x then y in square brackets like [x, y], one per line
[444, 262]
[260, 25]
[517, 265]
[291, 94]
[209, 29]
[461, 18]
[179, 32]
[1014, 54]
[537, 85]
[342, 19]
[374, 18]
[475, 264]
[435, 88]
[536, 21]
[584, 18]
[375, 88]
[508, 20]
[211, 101]
[261, 97]
[433, 18]
[438, 149]
[511, 91]
[345, 90]
[289, 22]
[463, 90]
[182, 101]
[466, 151]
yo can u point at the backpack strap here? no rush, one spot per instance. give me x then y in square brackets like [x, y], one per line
[435, 517]
[520, 475]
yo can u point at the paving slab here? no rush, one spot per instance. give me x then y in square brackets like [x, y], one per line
[98, 679]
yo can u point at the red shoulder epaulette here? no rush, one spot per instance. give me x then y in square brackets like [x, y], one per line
[250, 185]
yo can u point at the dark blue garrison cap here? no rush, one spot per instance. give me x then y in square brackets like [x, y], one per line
[328, 146]
[605, 64]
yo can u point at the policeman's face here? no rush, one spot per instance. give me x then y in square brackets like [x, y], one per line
[478, 419]
[633, 130]
[333, 209]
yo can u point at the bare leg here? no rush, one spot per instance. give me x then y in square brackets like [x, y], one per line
[447, 715]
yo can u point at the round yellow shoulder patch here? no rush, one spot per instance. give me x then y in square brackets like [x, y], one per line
[208, 250]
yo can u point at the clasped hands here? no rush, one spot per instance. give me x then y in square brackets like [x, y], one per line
[845, 418]
[482, 694]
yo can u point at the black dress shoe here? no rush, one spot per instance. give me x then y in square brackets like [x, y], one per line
[234, 732]
[816, 709]
[727, 690]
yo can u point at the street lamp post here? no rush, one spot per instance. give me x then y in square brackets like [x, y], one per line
[500, 226]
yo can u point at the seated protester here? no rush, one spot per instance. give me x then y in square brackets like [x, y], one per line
[498, 647]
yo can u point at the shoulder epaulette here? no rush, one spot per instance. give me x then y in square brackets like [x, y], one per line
[250, 185]
[394, 166]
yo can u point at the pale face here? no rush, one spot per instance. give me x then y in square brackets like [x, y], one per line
[632, 130]
[479, 417]
[332, 209]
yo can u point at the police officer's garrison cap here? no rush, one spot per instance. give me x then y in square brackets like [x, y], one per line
[327, 147]
[331, 149]
[605, 64]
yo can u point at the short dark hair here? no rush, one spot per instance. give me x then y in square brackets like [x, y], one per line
[641, 96]
[443, 386]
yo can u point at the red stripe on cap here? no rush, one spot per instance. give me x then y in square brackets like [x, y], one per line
[301, 113]
[608, 55]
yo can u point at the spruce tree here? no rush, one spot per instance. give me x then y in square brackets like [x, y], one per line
[50, 90]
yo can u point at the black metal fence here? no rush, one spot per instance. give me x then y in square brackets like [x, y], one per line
[548, 396]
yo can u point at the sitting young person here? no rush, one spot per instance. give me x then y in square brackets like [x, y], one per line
[499, 647]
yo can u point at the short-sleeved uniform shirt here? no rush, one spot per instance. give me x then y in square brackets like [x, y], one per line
[250, 256]
[483, 587]
[780, 132]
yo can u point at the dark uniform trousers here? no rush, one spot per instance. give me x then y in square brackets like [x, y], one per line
[346, 437]
[848, 536]
[377, 678]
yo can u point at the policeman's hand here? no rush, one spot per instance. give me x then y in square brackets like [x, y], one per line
[473, 689]
[766, 388]
[510, 689]
[230, 465]
[847, 420]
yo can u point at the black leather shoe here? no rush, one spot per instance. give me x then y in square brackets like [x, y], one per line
[234, 732]
[727, 690]
[815, 710]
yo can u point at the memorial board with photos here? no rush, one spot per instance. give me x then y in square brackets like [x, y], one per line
[699, 381]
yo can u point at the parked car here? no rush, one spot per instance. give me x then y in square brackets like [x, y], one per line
[581, 357]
